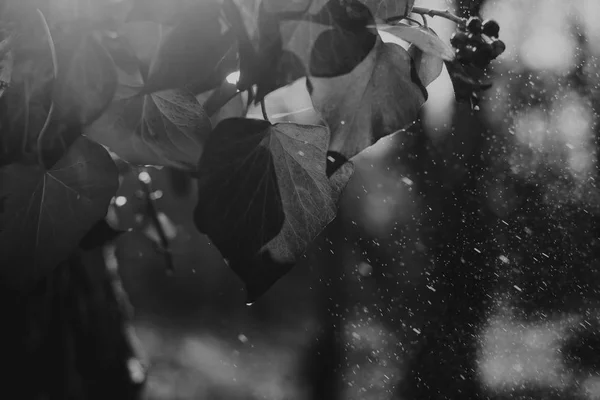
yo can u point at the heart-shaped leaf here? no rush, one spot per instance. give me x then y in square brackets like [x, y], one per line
[429, 67]
[294, 40]
[264, 195]
[422, 37]
[86, 81]
[163, 128]
[46, 213]
[198, 53]
[380, 96]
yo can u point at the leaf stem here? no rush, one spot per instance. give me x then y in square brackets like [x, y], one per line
[263, 108]
[55, 70]
[152, 212]
[438, 13]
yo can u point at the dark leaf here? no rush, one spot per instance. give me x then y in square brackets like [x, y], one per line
[47, 213]
[332, 36]
[87, 79]
[332, 39]
[299, 39]
[100, 234]
[198, 53]
[264, 195]
[380, 96]
[162, 128]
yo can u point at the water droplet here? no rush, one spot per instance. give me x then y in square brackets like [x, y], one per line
[136, 370]
[144, 177]
[120, 201]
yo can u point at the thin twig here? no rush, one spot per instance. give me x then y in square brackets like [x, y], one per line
[438, 13]
[263, 108]
[152, 212]
[55, 70]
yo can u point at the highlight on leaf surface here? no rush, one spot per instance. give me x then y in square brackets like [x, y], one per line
[380, 96]
[162, 128]
[46, 213]
[263, 195]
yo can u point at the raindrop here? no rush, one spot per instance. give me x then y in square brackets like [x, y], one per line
[120, 201]
[144, 177]
[136, 370]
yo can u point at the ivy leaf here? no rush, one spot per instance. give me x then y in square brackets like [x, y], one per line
[428, 66]
[423, 38]
[293, 40]
[163, 128]
[381, 95]
[264, 195]
[87, 78]
[199, 52]
[47, 212]
[332, 36]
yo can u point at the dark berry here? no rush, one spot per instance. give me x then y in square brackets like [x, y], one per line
[458, 39]
[490, 28]
[474, 25]
[498, 48]
[475, 39]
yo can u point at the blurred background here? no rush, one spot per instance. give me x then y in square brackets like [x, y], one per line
[464, 264]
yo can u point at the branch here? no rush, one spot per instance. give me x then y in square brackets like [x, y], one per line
[152, 212]
[438, 13]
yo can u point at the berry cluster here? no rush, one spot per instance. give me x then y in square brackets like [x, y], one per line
[476, 44]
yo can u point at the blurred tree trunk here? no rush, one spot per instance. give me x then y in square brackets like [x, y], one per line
[68, 339]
